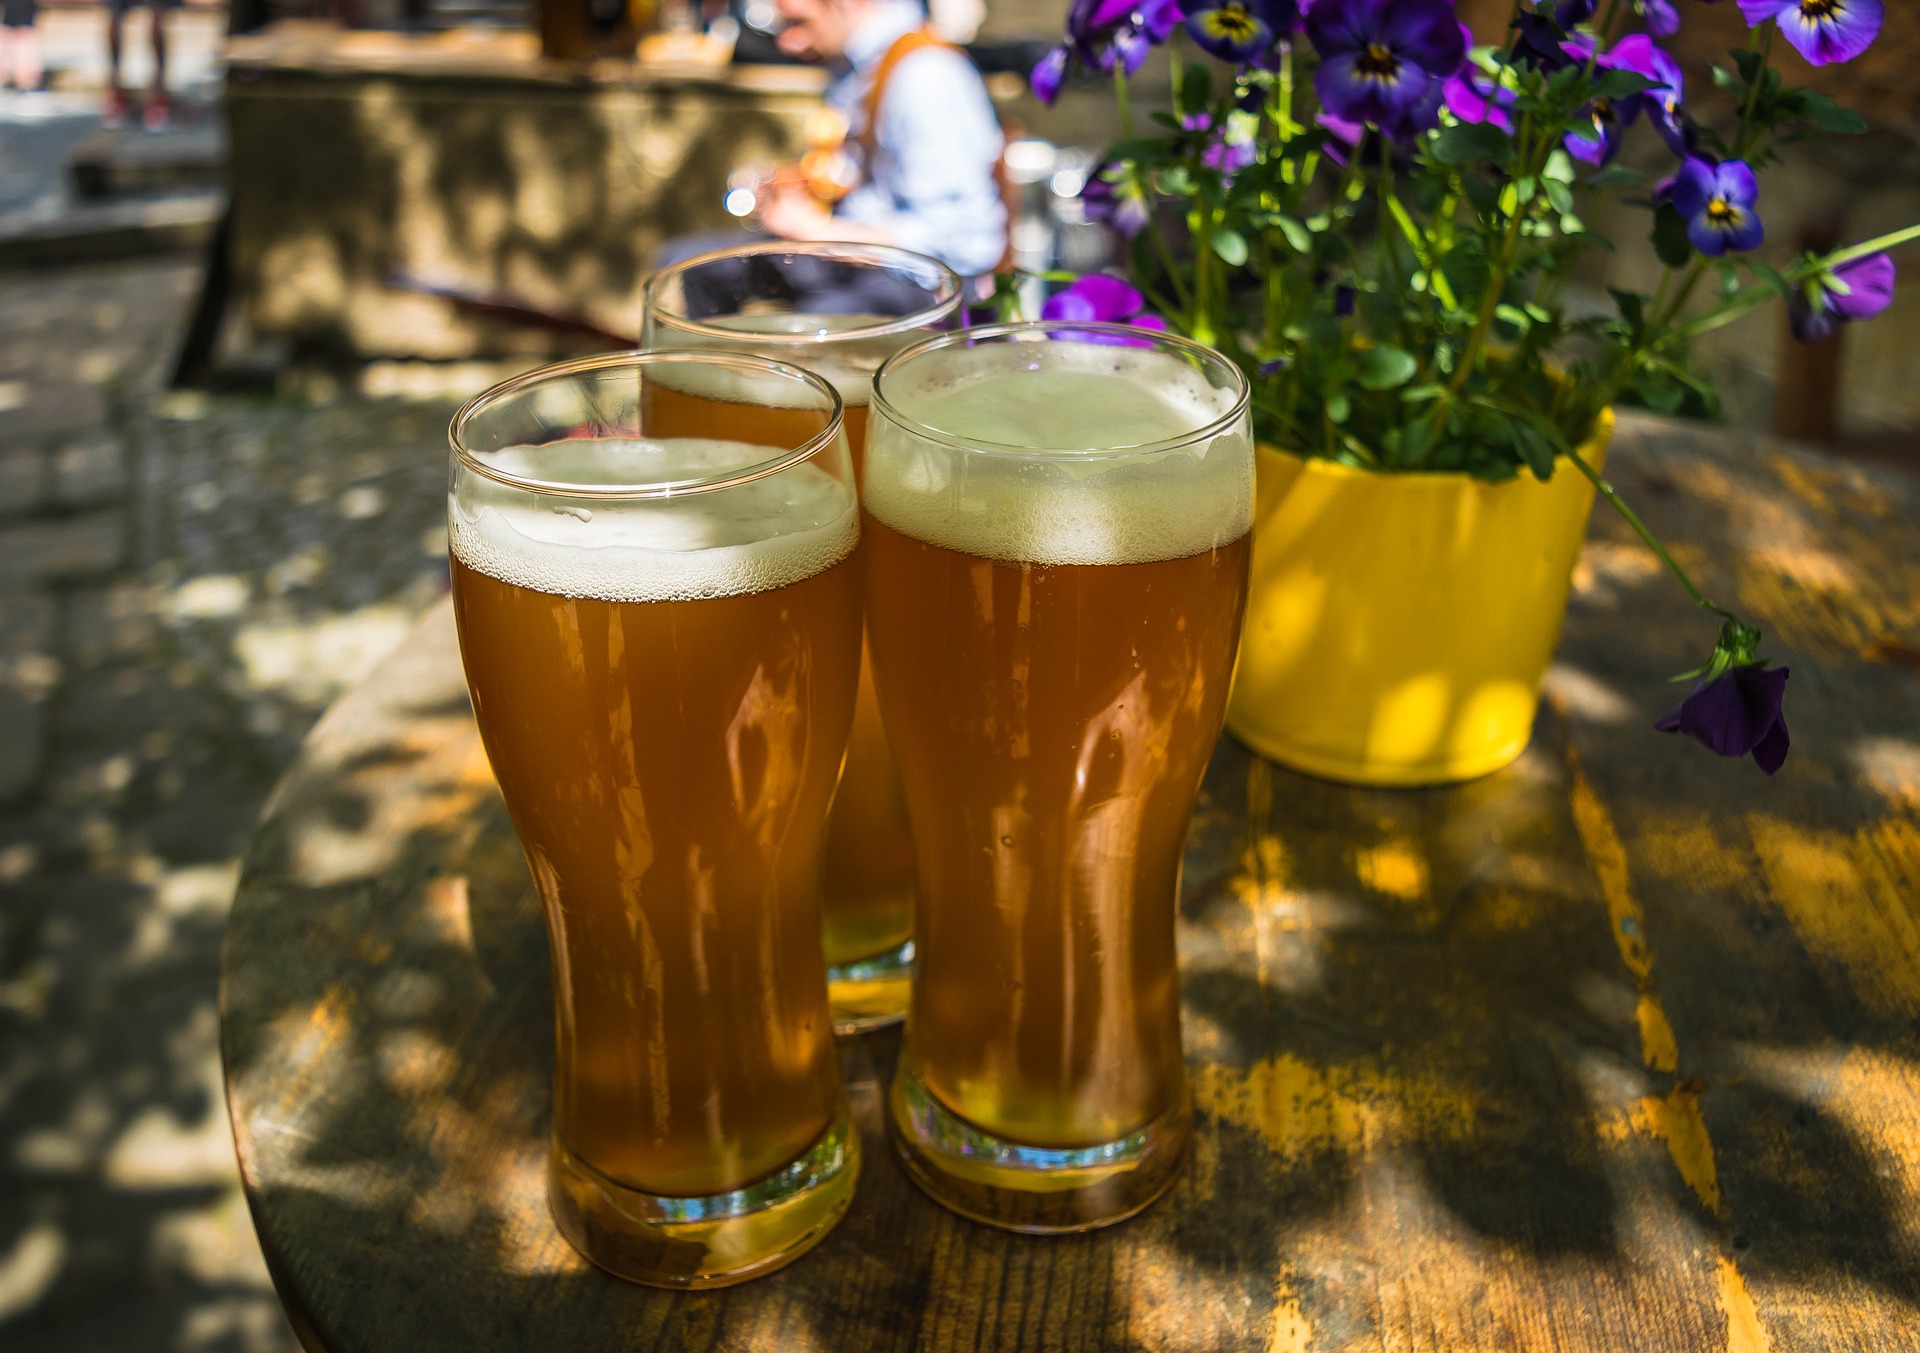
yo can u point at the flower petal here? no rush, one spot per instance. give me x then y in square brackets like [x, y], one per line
[1112, 299]
[1048, 74]
[1828, 37]
[1869, 283]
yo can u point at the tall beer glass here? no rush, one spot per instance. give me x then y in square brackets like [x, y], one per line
[1056, 529]
[838, 310]
[658, 600]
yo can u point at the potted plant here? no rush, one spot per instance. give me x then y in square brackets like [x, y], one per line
[1379, 222]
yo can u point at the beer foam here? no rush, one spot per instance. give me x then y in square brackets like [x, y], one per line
[1043, 484]
[766, 534]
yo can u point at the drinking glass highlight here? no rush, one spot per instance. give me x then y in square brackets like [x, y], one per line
[1056, 522]
[838, 310]
[658, 599]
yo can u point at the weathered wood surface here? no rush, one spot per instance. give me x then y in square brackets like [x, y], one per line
[1615, 1050]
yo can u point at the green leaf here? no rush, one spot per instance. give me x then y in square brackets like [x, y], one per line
[1383, 368]
[1231, 245]
[1771, 276]
[1670, 240]
[1298, 237]
[1470, 143]
[1621, 84]
[1484, 195]
[1177, 182]
[1196, 87]
[1559, 195]
[1339, 407]
[1616, 176]
[1633, 308]
[1515, 316]
[1829, 116]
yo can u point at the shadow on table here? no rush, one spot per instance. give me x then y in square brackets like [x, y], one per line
[1496, 1057]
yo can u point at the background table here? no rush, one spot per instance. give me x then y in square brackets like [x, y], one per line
[1613, 1050]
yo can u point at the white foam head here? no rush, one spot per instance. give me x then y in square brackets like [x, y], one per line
[769, 533]
[1043, 473]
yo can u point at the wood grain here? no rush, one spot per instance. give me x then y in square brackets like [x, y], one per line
[1615, 1050]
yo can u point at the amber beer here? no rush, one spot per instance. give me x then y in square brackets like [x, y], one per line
[664, 686]
[1057, 541]
[811, 305]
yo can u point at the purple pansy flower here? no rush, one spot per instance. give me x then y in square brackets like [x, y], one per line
[1100, 298]
[1543, 43]
[1112, 199]
[1717, 202]
[1101, 33]
[1385, 61]
[1611, 117]
[1662, 16]
[1048, 73]
[1570, 12]
[1857, 290]
[1473, 95]
[1240, 31]
[1736, 714]
[1823, 31]
[1230, 151]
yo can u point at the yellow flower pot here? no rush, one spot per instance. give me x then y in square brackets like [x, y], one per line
[1399, 625]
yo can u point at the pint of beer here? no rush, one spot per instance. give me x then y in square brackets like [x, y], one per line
[657, 591]
[1056, 538]
[838, 310]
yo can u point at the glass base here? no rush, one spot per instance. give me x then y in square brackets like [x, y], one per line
[1039, 1190]
[871, 993]
[711, 1241]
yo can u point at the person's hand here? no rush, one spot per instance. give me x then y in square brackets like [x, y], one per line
[791, 212]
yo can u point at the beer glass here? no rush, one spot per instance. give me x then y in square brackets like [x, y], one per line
[1055, 523]
[838, 310]
[658, 600]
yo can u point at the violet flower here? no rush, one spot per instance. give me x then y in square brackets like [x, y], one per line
[1662, 16]
[1823, 31]
[1100, 298]
[1570, 12]
[1611, 117]
[1103, 33]
[1240, 31]
[1048, 74]
[1717, 201]
[1737, 713]
[1857, 290]
[1543, 43]
[1385, 61]
[1115, 202]
[1230, 151]
[1473, 95]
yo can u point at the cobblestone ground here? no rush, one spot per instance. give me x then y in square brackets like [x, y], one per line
[185, 582]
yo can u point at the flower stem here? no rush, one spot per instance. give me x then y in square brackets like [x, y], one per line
[1632, 519]
[1764, 34]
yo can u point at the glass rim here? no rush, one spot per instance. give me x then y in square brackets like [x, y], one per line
[1024, 329]
[637, 359]
[950, 294]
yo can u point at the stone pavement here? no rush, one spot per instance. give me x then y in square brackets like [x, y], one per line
[185, 582]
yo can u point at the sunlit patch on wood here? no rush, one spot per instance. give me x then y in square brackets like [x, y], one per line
[1395, 868]
[1851, 899]
[1745, 1333]
[1300, 1110]
[1674, 1119]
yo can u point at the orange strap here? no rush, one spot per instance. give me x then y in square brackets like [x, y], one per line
[903, 47]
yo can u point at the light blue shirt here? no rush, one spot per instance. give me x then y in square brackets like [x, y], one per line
[931, 184]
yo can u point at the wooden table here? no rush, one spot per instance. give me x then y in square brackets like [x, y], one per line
[1614, 1050]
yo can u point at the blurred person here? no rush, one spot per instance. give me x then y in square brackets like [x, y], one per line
[157, 115]
[926, 133]
[20, 66]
